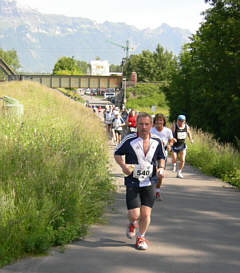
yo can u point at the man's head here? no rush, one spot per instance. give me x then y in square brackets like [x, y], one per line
[115, 113]
[144, 124]
[159, 120]
[181, 119]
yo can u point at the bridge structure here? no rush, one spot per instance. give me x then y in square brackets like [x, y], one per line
[6, 68]
[64, 81]
[74, 81]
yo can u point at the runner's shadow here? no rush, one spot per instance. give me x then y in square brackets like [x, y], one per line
[104, 242]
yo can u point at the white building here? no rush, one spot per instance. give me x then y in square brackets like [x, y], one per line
[100, 68]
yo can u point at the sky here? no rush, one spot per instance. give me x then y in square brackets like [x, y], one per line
[142, 14]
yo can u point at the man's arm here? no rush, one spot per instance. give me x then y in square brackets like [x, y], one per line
[160, 169]
[171, 140]
[173, 131]
[121, 163]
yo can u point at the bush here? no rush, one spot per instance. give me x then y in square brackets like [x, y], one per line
[213, 158]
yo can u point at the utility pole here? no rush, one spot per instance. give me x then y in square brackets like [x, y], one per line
[124, 82]
[126, 48]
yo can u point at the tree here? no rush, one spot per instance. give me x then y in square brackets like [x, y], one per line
[208, 78]
[67, 66]
[11, 58]
[115, 68]
[83, 66]
[152, 66]
[165, 63]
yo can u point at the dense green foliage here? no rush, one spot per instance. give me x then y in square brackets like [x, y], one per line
[206, 87]
[83, 66]
[11, 58]
[51, 185]
[152, 66]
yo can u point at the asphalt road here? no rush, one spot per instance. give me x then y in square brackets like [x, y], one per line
[195, 229]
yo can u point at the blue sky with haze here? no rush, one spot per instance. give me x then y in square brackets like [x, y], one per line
[140, 13]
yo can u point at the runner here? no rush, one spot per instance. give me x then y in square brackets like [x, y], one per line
[131, 121]
[180, 132]
[117, 124]
[143, 154]
[108, 120]
[166, 136]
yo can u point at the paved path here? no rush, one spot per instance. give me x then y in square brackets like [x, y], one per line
[195, 229]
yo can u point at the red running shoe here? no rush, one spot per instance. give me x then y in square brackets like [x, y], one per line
[157, 196]
[131, 231]
[141, 243]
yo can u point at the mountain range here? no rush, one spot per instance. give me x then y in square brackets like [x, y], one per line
[40, 39]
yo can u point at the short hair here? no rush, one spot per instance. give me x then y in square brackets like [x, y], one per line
[143, 115]
[160, 116]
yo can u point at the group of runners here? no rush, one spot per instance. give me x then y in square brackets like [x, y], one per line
[142, 156]
[119, 123]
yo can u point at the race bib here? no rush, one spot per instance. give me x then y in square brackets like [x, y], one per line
[181, 135]
[143, 174]
[133, 129]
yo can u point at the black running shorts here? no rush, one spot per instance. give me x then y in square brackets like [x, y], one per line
[137, 197]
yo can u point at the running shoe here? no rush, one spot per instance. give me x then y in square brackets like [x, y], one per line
[141, 243]
[157, 196]
[179, 175]
[131, 231]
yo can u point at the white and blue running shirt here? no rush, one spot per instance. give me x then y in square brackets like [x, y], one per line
[165, 135]
[132, 147]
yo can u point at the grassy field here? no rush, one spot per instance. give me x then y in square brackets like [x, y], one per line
[54, 177]
[142, 97]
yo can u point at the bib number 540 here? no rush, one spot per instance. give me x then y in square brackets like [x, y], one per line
[144, 172]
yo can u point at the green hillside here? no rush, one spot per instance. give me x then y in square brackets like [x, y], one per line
[51, 185]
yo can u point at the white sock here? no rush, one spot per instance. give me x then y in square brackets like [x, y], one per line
[140, 235]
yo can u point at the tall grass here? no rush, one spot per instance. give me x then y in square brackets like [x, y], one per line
[54, 180]
[213, 158]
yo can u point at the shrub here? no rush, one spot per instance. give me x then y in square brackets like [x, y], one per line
[213, 158]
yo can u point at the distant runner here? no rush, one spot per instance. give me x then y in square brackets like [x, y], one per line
[180, 132]
[131, 121]
[143, 155]
[108, 120]
[117, 124]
